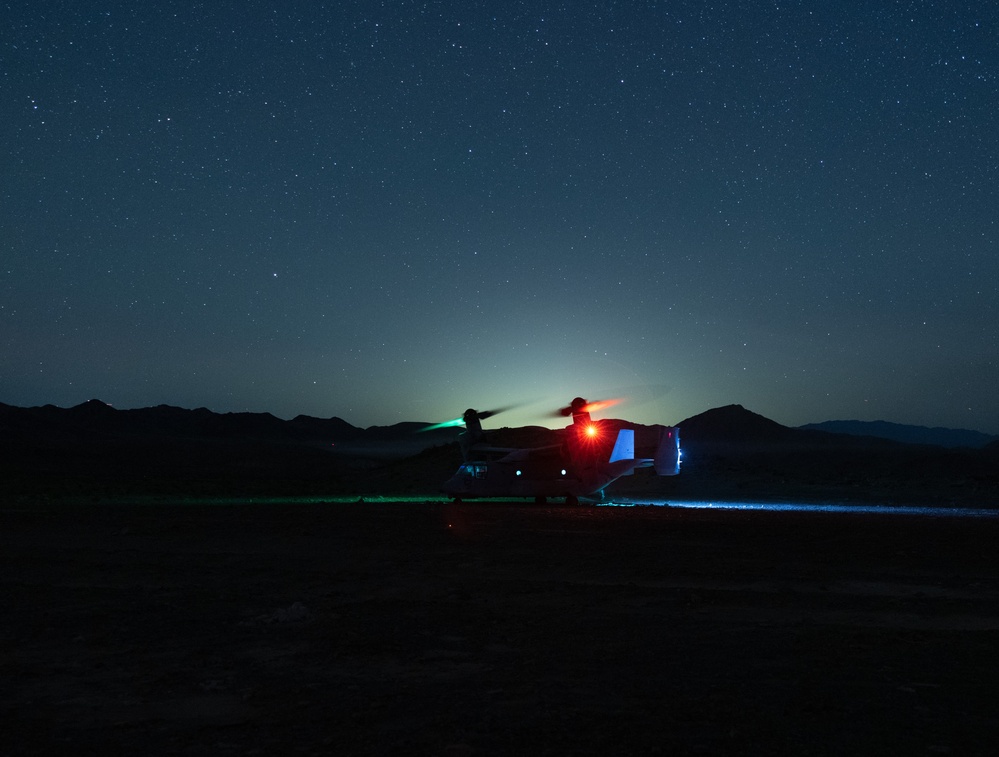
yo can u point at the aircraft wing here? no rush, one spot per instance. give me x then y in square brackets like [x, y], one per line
[527, 454]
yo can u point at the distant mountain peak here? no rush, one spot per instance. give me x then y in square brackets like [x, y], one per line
[732, 423]
[900, 432]
[96, 403]
[92, 408]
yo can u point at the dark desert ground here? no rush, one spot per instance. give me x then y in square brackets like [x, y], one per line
[236, 599]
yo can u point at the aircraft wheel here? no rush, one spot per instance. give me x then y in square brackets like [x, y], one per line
[571, 500]
[456, 500]
[541, 500]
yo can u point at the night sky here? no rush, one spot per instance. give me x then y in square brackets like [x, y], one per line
[394, 210]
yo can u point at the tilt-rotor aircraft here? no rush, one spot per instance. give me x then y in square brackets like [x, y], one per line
[582, 466]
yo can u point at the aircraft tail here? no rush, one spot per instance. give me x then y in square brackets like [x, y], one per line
[667, 461]
[624, 447]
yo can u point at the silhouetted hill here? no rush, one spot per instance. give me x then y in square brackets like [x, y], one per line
[94, 449]
[940, 437]
[732, 452]
[94, 421]
[733, 424]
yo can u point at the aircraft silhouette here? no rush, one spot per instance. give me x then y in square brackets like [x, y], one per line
[582, 466]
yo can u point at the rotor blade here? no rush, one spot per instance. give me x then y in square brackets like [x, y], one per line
[446, 424]
[593, 407]
[489, 413]
[460, 420]
[585, 407]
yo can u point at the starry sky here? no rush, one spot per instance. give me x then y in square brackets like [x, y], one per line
[395, 210]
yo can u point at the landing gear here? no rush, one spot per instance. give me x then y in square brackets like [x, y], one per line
[541, 500]
[571, 500]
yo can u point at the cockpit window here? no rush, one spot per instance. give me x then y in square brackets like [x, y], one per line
[474, 470]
